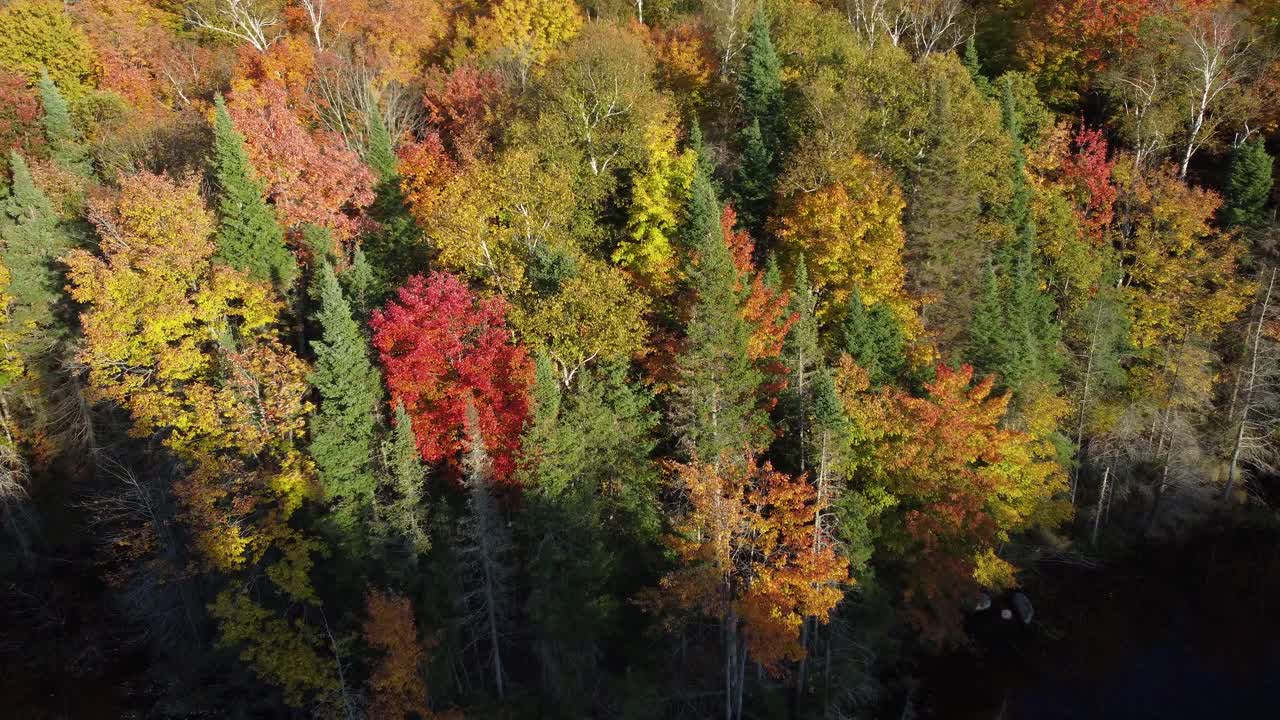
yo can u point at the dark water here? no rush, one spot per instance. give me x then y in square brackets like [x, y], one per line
[1170, 633]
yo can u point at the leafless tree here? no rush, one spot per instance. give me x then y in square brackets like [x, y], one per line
[923, 26]
[485, 553]
[1218, 60]
[1255, 420]
[252, 21]
[315, 14]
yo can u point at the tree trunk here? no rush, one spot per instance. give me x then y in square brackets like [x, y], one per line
[1249, 389]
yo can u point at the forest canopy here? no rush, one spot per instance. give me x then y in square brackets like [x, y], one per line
[609, 358]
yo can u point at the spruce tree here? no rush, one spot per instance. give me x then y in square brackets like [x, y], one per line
[380, 154]
[358, 282]
[987, 348]
[583, 527]
[1248, 188]
[66, 144]
[974, 65]
[760, 85]
[755, 179]
[713, 407]
[32, 241]
[402, 509]
[873, 338]
[249, 238]
[702, 213]
[1014, 334]
[344, 427]
[396, 250]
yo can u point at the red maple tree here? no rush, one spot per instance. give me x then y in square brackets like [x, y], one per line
[439, 346]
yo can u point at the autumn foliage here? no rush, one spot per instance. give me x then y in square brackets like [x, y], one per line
[750, 555]
[440, 346]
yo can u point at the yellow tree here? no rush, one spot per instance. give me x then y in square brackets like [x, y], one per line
[593, 315]
[657, 195]
[1180, 270]
[849, 232]
[523, 34]
[953, 482]
[190, 349]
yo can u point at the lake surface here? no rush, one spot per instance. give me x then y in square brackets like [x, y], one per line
[1174, 632]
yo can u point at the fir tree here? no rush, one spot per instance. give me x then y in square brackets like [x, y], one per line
[344, 426]
[714, 409]
[33, 242]
[873, 338]
[1249, 186]
[66, 144]
[249, 237]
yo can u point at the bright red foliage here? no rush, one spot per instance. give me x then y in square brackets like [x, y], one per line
[311, 178]
[1087, 171]
[462, 104]
[19, 117]
[439, 345]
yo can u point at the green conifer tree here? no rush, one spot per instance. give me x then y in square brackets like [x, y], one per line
[974, 65]
[589, 511]
[32, 241]
[760, 84]
[1248, 189]
[396, 250]
[755, 180]
[873, 338]
[249, 237]
[380, 153]
[66, 144]
[344, 427]
[702, 213]
[714, 408]
[987, 348]
[402, 509]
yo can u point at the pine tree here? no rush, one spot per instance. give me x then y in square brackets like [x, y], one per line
[249, 237]
[343, 428]
[33, 242]
[66, 144]
[1248, 188]
[714, 408]
[873, 338]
